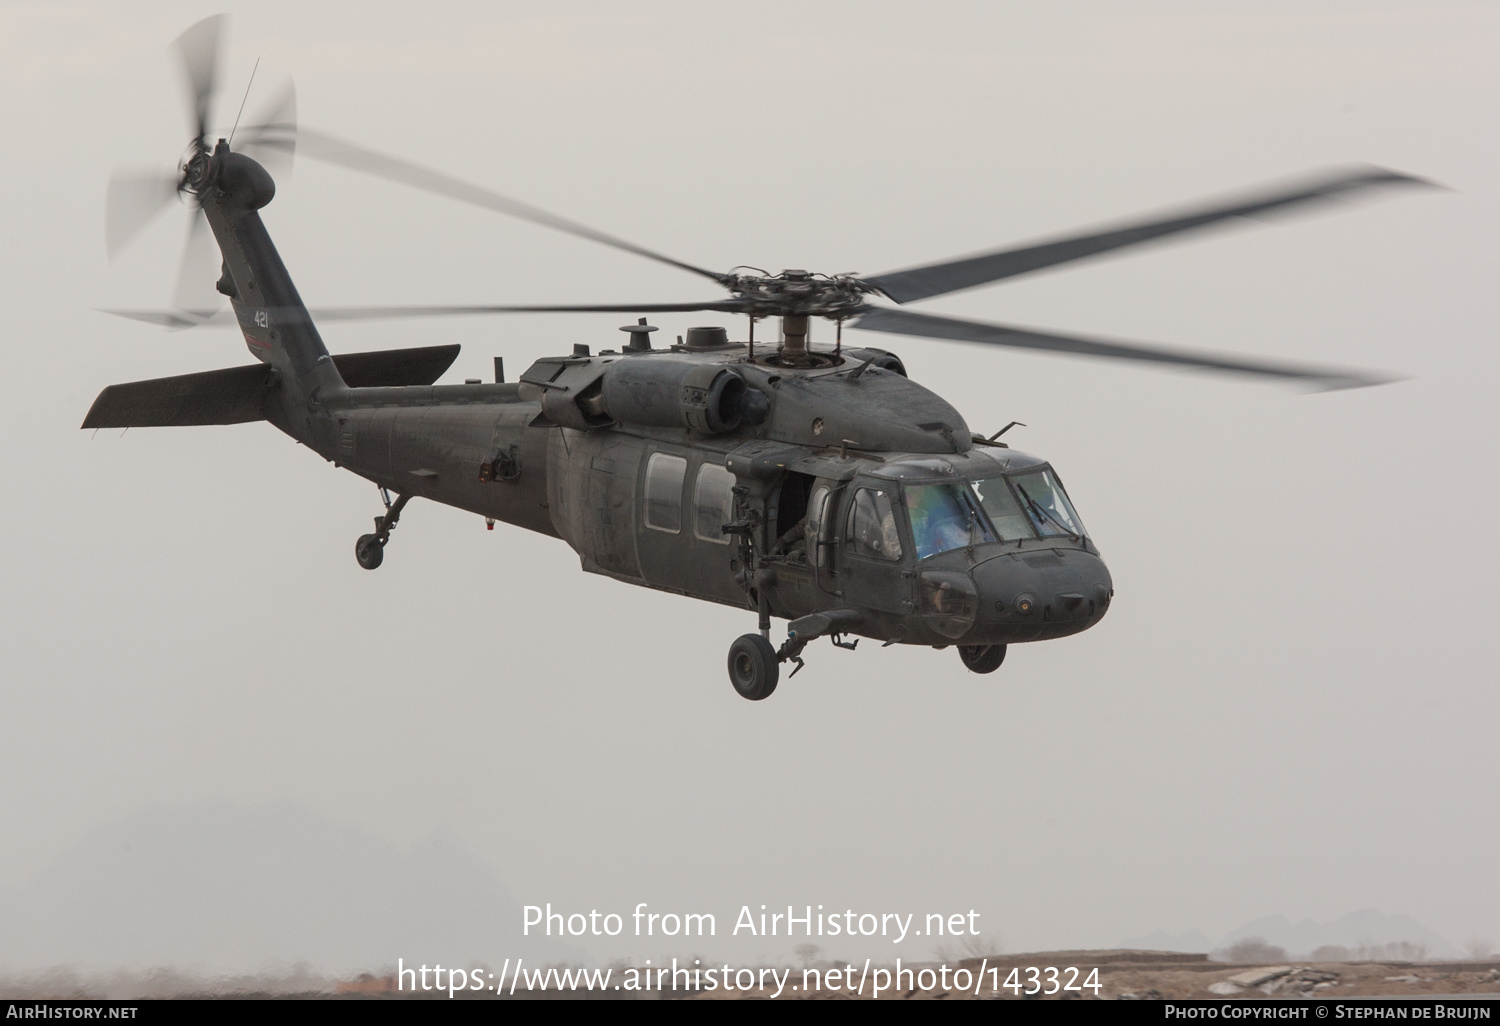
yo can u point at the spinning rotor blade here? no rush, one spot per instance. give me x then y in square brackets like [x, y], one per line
[320, 146]
[272, 139]
[176, 319]
[133, 200]
[950, 276]
[185, 317]
[906, 322]
[196, 295]
[198, 48]
[380, 313]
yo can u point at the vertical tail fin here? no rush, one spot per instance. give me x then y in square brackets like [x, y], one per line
[277, 327]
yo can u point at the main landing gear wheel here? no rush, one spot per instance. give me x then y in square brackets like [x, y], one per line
[982, 658]
[369, 551]
[753, 669]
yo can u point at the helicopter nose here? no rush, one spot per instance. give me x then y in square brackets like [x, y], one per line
[1063, 588]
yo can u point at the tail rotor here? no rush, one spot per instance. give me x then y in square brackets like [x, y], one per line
[136, 198]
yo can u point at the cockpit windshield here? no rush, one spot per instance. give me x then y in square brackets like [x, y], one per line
[943, 517]
[1003, 508]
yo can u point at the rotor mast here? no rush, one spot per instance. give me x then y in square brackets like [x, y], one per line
[795, 297]
[793, 339]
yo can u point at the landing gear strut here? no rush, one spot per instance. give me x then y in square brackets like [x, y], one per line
[370, 548]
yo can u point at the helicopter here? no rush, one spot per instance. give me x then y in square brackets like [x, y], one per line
[818, 484]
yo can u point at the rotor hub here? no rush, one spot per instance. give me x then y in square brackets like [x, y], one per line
[197, 173]
[798, 294]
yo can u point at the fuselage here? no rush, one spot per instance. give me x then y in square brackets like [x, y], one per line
[822, 486]
[964, 558]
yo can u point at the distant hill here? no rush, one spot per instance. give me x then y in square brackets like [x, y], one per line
[219, 887]
[1367, 928]
[1192, 941]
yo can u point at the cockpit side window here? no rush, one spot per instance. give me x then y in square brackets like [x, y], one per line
[871, 528]
[943, 517]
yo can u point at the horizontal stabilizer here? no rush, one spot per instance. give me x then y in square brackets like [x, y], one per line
[393, 367]
[238, 394]
[231, 396]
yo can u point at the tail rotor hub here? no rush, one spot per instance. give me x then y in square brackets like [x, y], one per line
[197, 173]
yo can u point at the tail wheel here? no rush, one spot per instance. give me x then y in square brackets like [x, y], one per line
[369, 551]
[982, 658]
[753, 669]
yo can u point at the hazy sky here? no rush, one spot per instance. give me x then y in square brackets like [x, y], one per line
[1290, 709]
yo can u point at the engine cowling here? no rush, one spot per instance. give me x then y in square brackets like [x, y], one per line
[661, 391]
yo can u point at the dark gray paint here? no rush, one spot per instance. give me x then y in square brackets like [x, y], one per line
[564, 451]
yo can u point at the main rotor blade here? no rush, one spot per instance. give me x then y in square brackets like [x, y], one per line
[189, 318]
[198, 49]
[176, 319]
[906, 322]
[132, 201]
[950, 276]
[384, 313]
[376, 313]
[272, 139]
[324, 147]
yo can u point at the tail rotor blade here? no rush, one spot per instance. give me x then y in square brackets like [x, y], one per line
[133, 200]
[198, 49]
[196, 296]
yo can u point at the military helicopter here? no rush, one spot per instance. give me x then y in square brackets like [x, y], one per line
[814, 483]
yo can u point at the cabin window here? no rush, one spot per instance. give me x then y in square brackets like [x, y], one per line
[871, 528]
[664, 477]
[713, 503]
